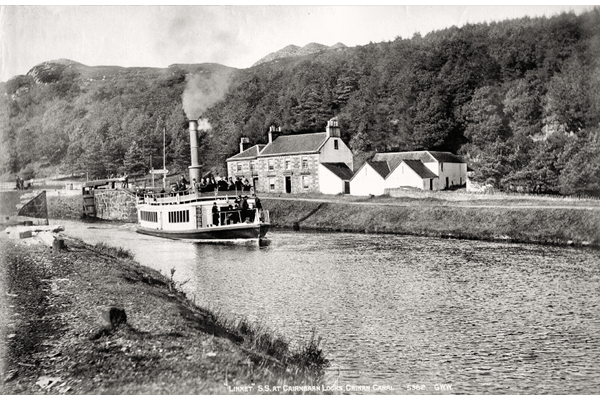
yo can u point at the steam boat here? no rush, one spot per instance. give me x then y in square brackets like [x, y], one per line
[199, 216]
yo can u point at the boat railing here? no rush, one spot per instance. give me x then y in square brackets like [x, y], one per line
[181, 197]
[171, 198]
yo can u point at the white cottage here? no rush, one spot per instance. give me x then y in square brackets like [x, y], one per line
[369, 179]
[425, 170]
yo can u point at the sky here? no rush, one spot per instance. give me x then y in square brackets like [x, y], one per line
[236, 36]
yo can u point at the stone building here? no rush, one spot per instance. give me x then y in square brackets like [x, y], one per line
[312, 162]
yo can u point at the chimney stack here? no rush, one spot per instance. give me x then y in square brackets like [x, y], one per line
[243, 141]
[333, 130]
[194, 169]
[271, 133]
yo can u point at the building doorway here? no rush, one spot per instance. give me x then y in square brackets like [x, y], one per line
[447, 182]
[255, 184]
[288, 184]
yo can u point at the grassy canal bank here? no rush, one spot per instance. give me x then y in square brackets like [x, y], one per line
[90, 320]
[527, 220]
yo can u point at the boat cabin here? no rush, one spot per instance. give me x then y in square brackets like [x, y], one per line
[184, 211]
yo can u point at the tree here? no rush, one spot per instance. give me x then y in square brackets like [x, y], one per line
[485, 120]
[567, 101]
[134, 161]
[581, 172]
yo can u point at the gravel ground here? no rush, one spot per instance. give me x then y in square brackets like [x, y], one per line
[53, 339]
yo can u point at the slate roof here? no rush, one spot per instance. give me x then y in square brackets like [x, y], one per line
[250, 153]
[446, 157]
[394, 159]
[381, 167]
[420, 169]
[341, 170]
[295, 144]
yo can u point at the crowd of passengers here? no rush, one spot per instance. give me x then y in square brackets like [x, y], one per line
[235, 212]
[210, 184]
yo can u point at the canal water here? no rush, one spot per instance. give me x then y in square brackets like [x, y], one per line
[402, 314]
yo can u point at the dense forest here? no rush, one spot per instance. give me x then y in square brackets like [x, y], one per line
[519, 100]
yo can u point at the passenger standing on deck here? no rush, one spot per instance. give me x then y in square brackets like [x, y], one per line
[215, 213]
[182, 183]
[258, 206]
[244, 207]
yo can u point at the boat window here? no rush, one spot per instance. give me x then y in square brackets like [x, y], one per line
[179, 216]
[150, 216]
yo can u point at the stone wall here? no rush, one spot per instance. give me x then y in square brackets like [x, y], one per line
[117, 204]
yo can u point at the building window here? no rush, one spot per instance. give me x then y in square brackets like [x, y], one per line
[304, 162]
[252, 165]
[271, 165]
[335, 144]
[239, 167]
[442, 166]
[305, 181]
[288, 164]
[272, 184]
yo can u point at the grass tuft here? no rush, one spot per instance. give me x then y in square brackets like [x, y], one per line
[117, 252]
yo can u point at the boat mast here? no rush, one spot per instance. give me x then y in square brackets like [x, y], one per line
[164, 157]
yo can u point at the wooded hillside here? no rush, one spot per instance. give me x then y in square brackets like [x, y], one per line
[519, 100]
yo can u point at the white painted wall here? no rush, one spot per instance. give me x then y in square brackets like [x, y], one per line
[403, 175]
[329, 154]
[367, 181]
[329, 183]
[456, 174]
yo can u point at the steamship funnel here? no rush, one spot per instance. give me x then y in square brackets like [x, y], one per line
[195, 167]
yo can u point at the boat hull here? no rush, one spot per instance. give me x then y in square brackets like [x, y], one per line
[228, 232]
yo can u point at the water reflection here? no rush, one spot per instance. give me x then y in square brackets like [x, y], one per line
[483, 317]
